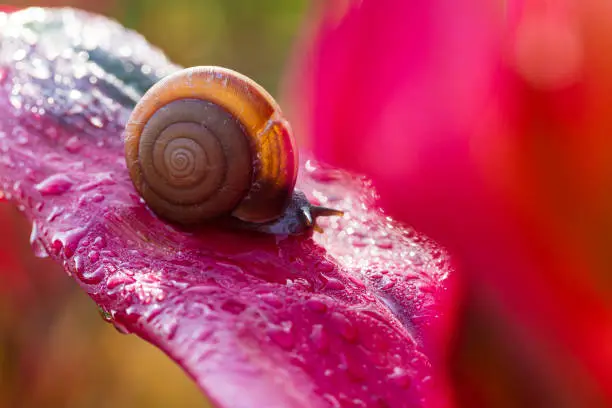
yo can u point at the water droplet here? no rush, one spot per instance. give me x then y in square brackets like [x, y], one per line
[99, 242]
[324, 266]
[37, 245]
[316, 305]
[55, 212]
[20, 54]
[384, 243]
[233, 306]
[400, 377]
[51, 132]
[68, 240]
[20, 135]
[358, 282]
[73, 145]
[343, 326]
[96, 121]
[282, 336]
[353, 368]
[334, 284]
[118, 279]
[389, 284]
[54, 185]
[324, 176]
[99, 179]
[15, 101]
[121, 328]
[94, 275]
[39, 71]
[319, 338]
[357, 403]
[334, 403]
[359, 242]
[93, 256]
[271, 299]
[18, 190]
[78, 264]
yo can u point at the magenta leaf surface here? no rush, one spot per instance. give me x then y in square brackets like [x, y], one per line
[351, 317]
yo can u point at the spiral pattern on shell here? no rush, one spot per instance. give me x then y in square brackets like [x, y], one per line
[206, 142]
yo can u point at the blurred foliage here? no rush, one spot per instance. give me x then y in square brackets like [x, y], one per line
[55, 351]
[252, 37]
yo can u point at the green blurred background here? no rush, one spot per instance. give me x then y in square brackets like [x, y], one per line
[55, 350]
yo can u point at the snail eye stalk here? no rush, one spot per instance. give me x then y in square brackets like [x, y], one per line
[312, 212]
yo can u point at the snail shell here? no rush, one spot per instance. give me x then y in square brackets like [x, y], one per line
[207, 141]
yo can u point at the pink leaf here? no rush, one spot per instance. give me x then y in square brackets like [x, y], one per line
[354, 317]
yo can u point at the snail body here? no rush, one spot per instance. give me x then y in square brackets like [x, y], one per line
[208, 143]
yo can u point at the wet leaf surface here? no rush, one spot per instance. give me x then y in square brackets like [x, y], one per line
[346, 318]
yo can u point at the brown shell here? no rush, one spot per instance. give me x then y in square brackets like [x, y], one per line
[206, 142]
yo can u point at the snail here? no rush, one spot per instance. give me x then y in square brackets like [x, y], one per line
[208, 143]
